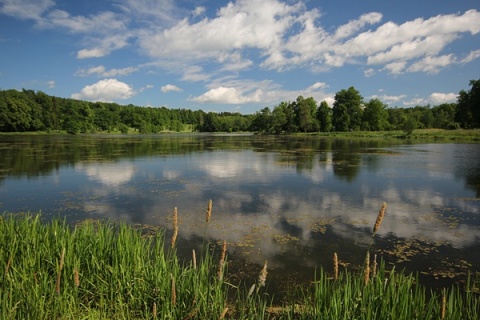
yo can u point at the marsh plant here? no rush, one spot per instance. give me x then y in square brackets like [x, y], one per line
[101, 270]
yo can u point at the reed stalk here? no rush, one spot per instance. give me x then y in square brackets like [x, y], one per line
[194, 259]
[208, 213]
[221, 263]
[444, 305]
[374, 268]
[175, 227]
[174, 291]
[154, 310]
[335, 266]
[366, 271]
[224, 313]
[76, 278]
[262, 277]
[379, 219]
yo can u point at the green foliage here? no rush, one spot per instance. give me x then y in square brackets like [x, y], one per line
[468, 110]
[347, 110]
[324, 117]
[26, 110]
[375, 116]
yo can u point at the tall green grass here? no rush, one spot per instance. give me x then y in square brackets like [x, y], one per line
[101, 270]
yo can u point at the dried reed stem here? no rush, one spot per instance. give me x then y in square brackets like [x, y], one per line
[224, 313]
[366, 275]
[59, 274]
[209, 211]
[380, 216]
[194, 259]
[175, 227]
[335, 266]
[154, 310]
[262, 277]
[444, 305]
[221, 263]
[374, 268]
[174, 291]
[76, 278]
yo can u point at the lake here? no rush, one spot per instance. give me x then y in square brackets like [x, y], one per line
[293, 201]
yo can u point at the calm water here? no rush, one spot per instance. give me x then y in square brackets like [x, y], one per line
[289, 200]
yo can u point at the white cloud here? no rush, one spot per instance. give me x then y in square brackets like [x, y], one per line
[227, 95]
[198, 11]
[370, 72]
[170, 87]
[471, 56]
[395, 67]
[437, 98]
[431, 64]
[107, 174]
[105, 90]
[92, 53]
[51, 84]
[25, 9]
[415, 102]
[265, 92]
[102, 71]
[388, 98]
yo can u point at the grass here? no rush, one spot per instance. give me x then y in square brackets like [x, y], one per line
[442, 135]
[101, 270]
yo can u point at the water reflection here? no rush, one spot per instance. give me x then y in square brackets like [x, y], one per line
[293, 201]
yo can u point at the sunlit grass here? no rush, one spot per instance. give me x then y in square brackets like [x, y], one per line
[459, 135]
[101, 270]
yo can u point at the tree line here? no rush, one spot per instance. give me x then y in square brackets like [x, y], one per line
[26, 110]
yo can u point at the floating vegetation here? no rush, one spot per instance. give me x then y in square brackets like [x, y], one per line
[320, 225]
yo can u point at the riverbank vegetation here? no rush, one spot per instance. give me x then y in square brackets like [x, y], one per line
[100, 270]
[26, 110]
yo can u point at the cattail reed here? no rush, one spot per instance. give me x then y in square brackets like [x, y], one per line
[224, 313]
[366, 275]
[444, 305]
[374, 268]
[209, 211]
[154, 310]
[380, 216]
[262, 277]
[59, 274]
[174, 291]
[76, 278]
[221, 263]
[335, 266]
[175, 227]
[194, 259]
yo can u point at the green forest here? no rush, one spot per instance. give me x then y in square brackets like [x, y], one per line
[30, 111]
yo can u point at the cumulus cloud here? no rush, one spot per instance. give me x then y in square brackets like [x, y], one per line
[170, 87]
[437, 98]
[227, 95]
[431, 64]
[249, 91]
[284, 35]
[105, 90]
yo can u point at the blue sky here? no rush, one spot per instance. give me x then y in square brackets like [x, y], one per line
[240, 55]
